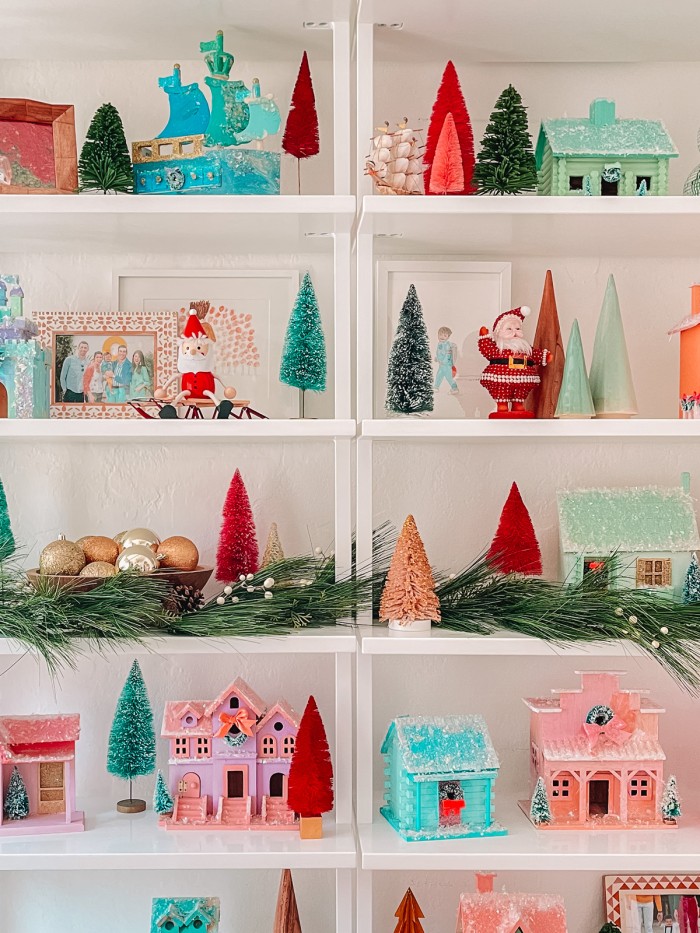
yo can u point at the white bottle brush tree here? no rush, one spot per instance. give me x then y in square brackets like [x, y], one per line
[540, 811]
[670, 801]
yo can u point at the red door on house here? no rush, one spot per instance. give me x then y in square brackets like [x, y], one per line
[190, 785]
[3, 401]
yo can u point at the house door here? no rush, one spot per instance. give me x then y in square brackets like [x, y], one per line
[609, 188]
[235, 784]
[52, 792]
[3, 401]
[451, 798]
[190, 785]
[277, 785]
[598, 798]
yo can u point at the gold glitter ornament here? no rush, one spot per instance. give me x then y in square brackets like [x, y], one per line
[98, 568]
[179, 552]
[98, 548]
[62, 557]
[139, 557]
[139, 537]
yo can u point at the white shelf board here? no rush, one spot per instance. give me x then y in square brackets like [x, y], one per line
[533, 226]
[528, 849]
[337, 639]
[614, 429]
[158, 224]
[180, 431]
[114, 841]
[377, 639]
[538, 31]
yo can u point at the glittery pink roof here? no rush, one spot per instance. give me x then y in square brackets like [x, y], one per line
[282, 708]
[27, 738]
[245, 692]
[640, 747]
[504, 913]
[174, 713]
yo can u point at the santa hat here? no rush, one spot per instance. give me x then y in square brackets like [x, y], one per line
[521, 312]
[194, 328]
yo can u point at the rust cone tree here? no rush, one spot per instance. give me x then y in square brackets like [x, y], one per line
[543, 398]
[409, 914]
[409, 592]
[287, 913]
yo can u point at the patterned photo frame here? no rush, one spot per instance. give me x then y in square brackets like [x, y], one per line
[666, 891]
[158, 327]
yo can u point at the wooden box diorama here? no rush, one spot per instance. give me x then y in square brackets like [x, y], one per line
[500, 912]
[37, 774]
[185, 915]
[603, 154]
[689, 382]
[38, 152]
[440, 775]
[203, 150]
[643, 536]
[597, 749]
[24, 363]
[229, 761]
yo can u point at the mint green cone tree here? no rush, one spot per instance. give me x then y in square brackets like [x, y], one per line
[611, 377]
[7, 540]
[575, 399]
[132, 741]
[303, 364]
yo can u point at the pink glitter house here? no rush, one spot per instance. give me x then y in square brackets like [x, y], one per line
[597, 749]
[42, 748]
[499, 912]
[229, 761]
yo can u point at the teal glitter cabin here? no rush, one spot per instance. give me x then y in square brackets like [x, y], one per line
[185, 915]
[24, 363]
[603, 155]
[439, 778]
[205, 150]
[650, 532]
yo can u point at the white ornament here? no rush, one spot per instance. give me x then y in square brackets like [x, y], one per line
[242, 578]
[269, 595]
[228, 590]
[269, 583]
[655, 644]
[250, 576]
[234, 599]
[663, 630]
[633, 620]
[220, 600]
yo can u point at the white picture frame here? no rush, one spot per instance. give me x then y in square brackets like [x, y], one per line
[265, 296]
[457, 294]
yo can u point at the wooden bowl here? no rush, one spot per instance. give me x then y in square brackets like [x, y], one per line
[197, 578]
[65, 582]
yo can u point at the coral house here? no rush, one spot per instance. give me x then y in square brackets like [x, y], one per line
[489, 911]
[597, 748]
[229, 761]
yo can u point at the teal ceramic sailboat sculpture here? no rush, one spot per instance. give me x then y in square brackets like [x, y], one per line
[611, 377]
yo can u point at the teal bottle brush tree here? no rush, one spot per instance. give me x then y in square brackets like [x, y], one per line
[303, 364]
[132, 742]
[409, 380]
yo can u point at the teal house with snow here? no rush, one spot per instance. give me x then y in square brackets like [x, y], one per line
[185, 915]
[650, 532]
[603, 155]
[440, 773]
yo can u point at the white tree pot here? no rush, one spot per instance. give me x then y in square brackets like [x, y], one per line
[415, 625]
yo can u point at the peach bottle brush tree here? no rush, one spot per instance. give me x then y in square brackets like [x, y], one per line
[132, 741]
[450, 100]
[409, 601]
[447, 175]
[301, 130]
[237, 555]
[303, 364]
[310, 791]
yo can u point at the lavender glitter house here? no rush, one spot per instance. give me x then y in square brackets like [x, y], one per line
[24, 363]
[229, 761]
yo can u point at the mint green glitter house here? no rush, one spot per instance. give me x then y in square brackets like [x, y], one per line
[651, 532]
[603, 155]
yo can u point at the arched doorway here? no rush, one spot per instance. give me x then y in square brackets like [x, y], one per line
[3, 401]
[277, 785]
[190, 785]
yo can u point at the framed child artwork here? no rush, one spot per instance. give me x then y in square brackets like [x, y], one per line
[103, 361]
[652, 903]
[37, 148]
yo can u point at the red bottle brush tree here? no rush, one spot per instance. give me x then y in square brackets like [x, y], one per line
[514, 548]
[447, 173]
[237, 553]
[450, 100]
[310, 790]
[301, 130]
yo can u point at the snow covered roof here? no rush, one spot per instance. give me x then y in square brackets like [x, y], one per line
[174, 713]
[245, 692]
[35, 730]
[499, 912]
[436, 745]
[640, 747]
[282, 708]
[628, 520]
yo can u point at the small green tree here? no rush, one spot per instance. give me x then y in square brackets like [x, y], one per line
[409, 389]
[610, 928]
[540, 811]
[670, 801]
[162, 798]
[16, 805]
[303, 362]
[132, 741]
[104, 163]
[506, 163]
[7, 540]
[691, 587]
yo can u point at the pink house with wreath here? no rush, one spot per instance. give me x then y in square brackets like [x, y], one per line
[229, 761]
[489, 911]
[597, 748]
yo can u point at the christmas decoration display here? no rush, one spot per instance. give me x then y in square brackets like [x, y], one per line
[132, 742]
[303, 363]
[394, 161]
[24, 363]
[7, 539]
[301, 130]
[203, 151]
[515, 548]
[597, 750]
[514, 366]
[542, 400]
[641, 536]
[409, 601]
[62, 557]
[409, 914]
[178, 551]
[185, 914]
[500, 912]
[104, 163]
[409, 381]
[251, 745]
[450, 100]
[506, 162]
[273, 552]
[670, 801]
[447, 173]
[540, 811]
[616, 155]
[440, 776]
[689, 383]
[311, 774]
[611, 377]
[691, 586]
[37, 774]
[99, 548]
[575, 399]
[163, 802]
[286, 913]
[237, 553]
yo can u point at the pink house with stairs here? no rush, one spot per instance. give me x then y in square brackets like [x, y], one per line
[229, 761]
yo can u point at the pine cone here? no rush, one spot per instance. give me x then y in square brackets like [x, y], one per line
[182, 599]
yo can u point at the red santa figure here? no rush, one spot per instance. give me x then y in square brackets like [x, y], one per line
[514, 365]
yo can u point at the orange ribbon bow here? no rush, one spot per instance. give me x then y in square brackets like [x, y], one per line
[241, 720]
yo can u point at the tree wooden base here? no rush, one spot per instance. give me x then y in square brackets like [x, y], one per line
[311, 827]
[131, 806]
[413, 625]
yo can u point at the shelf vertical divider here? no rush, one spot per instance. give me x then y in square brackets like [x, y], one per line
[341, 108]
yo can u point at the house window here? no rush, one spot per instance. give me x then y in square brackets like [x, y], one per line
[182, 748]
[561, 787]
[655, 572]
[575, 182]
[268, 746]
[279, 726]
[202, 747]
[533, 754]
[642, 178]
[234, 703]
[189, 719]
[640, 787]
[288, 746]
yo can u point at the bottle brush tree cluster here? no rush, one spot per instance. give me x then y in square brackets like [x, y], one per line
[105, 164]
[506, 162]
[514, 548]
[132, 741]
[409, 592]
[450, 101]
[237, 554]
[409, 379]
